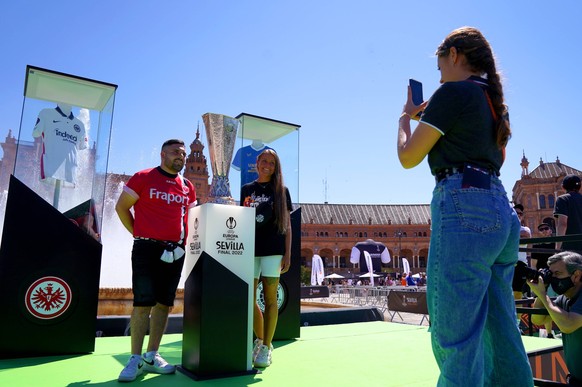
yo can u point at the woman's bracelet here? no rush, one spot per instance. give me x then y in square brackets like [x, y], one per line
[404, 114]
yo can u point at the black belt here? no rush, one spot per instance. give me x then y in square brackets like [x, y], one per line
[166, 244]
[441, 174]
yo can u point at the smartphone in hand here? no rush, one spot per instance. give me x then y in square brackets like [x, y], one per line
[417, 98]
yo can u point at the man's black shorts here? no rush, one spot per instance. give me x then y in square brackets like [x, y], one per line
[154, 281]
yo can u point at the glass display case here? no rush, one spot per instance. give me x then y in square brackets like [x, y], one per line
[256, 134]
[53, 175]
[62, 148]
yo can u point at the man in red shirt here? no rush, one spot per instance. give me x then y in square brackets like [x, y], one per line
[160, 198]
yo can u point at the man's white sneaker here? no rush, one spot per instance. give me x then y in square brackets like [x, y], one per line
[153, 362]
[263, 357]
[132, 370]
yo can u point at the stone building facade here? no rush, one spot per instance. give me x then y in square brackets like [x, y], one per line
[196, 169]
[537, 190]
[332, 230]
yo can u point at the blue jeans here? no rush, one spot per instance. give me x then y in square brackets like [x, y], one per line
[473, 250]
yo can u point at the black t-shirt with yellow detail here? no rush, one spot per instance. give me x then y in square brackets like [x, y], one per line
[461, 113]
[268, 240]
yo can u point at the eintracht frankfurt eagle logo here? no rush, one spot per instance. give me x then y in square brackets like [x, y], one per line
[281, 296]
[48, 297]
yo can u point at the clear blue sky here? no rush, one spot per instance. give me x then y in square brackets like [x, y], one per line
[339, 69]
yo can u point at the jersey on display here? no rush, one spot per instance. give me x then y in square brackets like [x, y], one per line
[375, 249]
[245, 161]
[62, 136]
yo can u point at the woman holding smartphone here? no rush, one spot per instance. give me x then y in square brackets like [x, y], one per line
[464, 129]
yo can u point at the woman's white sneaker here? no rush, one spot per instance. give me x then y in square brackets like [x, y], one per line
[263, 357]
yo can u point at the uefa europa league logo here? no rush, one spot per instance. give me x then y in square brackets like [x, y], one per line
[221, 133]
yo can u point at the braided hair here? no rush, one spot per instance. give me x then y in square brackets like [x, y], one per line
[470, 42]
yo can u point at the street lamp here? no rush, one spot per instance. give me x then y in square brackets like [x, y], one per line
[399, 235]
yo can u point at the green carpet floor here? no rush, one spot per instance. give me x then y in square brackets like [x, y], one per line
[368, 354]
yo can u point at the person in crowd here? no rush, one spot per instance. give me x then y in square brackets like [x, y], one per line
[272, 202]
[539, 260]
[522, 264]
[566, 309]
[568, 211]
[410, 280]
[475, 231]
[160, 198]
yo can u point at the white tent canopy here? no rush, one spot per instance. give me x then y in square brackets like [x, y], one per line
[368, 275]
[334, 275]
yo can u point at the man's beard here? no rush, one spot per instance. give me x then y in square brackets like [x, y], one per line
[176, 166]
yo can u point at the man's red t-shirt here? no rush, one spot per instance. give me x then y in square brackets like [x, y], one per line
[163, 200]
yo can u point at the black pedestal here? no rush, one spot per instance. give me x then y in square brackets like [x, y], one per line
[215, 321]
[49, 279]
[289, 322]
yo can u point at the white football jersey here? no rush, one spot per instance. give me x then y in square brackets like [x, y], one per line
[62, 136]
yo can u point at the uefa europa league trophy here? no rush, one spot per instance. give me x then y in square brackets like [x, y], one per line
[221, 133]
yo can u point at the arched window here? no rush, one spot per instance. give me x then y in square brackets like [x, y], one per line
[551, 202]
[542, 201]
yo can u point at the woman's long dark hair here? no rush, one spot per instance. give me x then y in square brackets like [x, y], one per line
[472, 44]
[280, 210]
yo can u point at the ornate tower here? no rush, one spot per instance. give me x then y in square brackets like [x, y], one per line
[197, 168]
[524, 165]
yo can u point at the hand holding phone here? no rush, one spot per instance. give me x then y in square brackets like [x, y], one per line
[417, 99]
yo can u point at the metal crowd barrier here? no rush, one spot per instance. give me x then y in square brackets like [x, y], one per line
[376, 296]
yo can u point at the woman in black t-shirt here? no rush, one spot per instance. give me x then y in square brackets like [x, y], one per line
[474, 230]
[271, 199]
